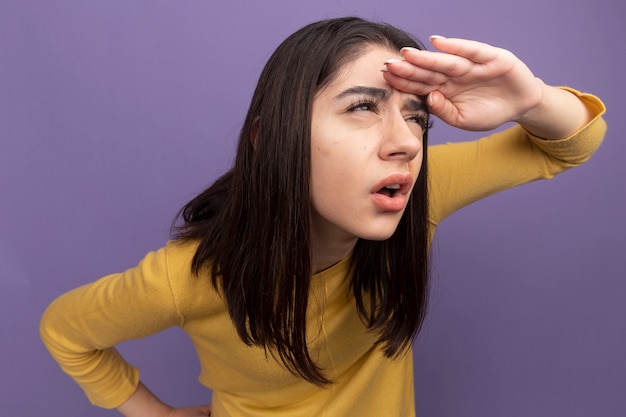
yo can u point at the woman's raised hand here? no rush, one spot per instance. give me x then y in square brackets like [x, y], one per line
[468, 84]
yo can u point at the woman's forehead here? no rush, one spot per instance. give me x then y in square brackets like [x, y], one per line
[365, 72]
[366, 67]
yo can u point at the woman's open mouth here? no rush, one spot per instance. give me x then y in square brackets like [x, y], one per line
[392, 193]
[389, 190]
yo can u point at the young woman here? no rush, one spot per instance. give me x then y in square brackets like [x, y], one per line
[301, 275]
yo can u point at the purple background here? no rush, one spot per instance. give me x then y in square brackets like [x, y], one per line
[114, 113]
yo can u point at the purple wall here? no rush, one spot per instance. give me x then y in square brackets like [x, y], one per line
[114, 113]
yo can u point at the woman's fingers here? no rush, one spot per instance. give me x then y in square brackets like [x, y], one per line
[474, 51]
[458, 58]
[408, 84]
[414, 72]
[197, 411]
[438, 62]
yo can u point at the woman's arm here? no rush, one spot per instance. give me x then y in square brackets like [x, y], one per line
[82, 327]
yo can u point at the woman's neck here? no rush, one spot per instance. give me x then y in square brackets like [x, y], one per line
[327, 250]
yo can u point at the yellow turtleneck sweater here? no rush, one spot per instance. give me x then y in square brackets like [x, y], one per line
[82, 327]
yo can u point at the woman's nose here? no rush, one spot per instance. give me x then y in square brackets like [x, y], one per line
[402, 140]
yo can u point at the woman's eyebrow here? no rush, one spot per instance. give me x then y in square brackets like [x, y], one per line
[373, 92]
[412, 103]
[415, 105]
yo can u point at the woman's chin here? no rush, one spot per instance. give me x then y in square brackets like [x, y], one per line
[377, 235]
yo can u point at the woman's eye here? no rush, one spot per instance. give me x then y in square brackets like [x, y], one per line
[363, 106]
[419, 119]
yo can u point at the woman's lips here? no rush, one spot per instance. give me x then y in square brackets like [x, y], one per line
[392, 192]
[386, 203]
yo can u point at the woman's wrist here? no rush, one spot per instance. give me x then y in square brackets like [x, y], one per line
[558, 114]
[143, 403]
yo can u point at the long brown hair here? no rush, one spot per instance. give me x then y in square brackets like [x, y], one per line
[253, 223]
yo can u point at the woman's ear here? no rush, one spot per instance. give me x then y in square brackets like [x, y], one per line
[254, 130]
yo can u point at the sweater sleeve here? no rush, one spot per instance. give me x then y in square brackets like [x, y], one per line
[461, 173]
[81, 327]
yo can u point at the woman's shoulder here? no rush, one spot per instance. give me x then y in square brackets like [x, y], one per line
[194, 293]
[179, 253]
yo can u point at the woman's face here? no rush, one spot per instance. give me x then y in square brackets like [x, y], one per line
[366, 152]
